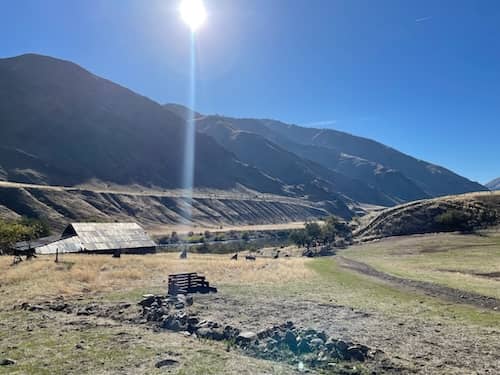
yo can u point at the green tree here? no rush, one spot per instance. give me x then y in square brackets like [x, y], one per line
[299, 237]
[313, 230]
[245, 236]
[12, 232]
[454, 220]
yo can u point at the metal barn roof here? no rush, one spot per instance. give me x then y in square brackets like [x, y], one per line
[108, 236]
[67, 245]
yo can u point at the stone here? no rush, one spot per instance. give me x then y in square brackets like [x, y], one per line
[166, 362]
[204, 332]
[291, 340]
[36, 308]
[303, 346]
[147, 300]
[271, 343]
[178, 326]
[230, 333]
[59, 306]
[322, 357]
[7, 362]
[179, 305]
[356, 352]
[210, 333]
[316, 342]
[193, 321]
[202, 324]
[341, 346]
[247, 336]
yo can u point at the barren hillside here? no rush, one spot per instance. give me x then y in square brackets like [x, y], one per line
[61, 205]
[477, 209]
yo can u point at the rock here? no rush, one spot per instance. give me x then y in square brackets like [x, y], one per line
[166, 362]
[303, 346]
[291, 340]
[247, 336]
[173, 323]
[35, 308]
[271, 344]
[230, 333]
[193, 321]
[79, 346]
[204, 332]
[179, 305]
[210, 333]
[202, 324]
[147, 300]
[177, 326]
[262, 334]
[316, 342]
[322, 357]
[59, 306]
[341, 347]
[356, 352]
[7, 362]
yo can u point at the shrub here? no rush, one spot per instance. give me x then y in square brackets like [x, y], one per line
[455, 220]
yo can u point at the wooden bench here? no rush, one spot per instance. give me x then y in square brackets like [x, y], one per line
[184, 283]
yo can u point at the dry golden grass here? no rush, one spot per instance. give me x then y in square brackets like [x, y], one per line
[77, 274]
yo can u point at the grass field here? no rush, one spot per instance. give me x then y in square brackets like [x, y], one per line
[466, 262]
[320, 293]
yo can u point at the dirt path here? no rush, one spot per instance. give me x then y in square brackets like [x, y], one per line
[434, 290]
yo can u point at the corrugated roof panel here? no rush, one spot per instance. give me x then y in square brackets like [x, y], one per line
[103, 236]
[68, 245]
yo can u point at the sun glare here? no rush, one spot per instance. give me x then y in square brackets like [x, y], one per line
[193, 13]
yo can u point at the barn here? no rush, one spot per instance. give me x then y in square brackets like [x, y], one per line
[101, 238]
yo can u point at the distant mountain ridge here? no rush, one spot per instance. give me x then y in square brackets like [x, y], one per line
[494, 185]
[62, 125]
[394, 175]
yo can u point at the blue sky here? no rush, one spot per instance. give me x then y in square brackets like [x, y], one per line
[420, 76]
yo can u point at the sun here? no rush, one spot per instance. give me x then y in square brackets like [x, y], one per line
[193, 13]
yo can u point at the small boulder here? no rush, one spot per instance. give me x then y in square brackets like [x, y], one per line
[179, 305]
[316, 342]
[303, 346]
[356, 352]
[35, 308]
[147, 300]
[210, 333]
[166, 362]
[291, 340]
[7, 362]
[246, 336]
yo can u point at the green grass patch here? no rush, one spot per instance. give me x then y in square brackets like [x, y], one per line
[367, 293]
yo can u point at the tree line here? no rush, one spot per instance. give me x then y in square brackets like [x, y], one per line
[326, 234]
[25, 229]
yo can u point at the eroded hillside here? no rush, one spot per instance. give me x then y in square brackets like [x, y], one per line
[62, 205]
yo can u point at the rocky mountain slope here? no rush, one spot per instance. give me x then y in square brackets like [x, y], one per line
[494, 185]
[397, 176]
